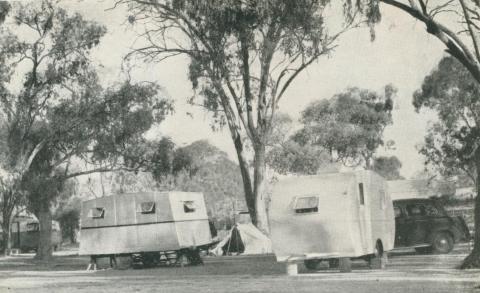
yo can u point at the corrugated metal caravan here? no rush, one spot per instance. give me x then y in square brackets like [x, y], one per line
[332, 217]
[144, 222]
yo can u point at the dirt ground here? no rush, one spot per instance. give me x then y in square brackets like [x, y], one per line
[406, 272]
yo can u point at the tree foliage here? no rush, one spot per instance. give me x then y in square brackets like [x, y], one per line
[60, 113]
[388, 167]
[350, 125]
[452, 141]
[292, 157]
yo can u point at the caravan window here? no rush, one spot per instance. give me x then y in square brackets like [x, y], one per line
[146, 207]
[188, 206]
[307, 204]
[96, 213]
[33, 227]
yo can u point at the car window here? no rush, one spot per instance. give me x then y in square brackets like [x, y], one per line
[415, 210]
[430, 210]
[398, 212]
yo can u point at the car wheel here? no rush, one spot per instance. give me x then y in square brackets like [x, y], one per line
[442, 243]
[312, 264]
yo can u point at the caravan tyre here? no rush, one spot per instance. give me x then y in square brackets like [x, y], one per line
[182, 260]
[312, 264]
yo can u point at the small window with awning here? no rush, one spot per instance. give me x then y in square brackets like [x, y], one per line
[96, 213]
[189, 206]
[306, 204]
[147, 207]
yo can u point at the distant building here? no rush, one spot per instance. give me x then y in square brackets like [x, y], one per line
[465, 192]
[423, 188]
[400, 189]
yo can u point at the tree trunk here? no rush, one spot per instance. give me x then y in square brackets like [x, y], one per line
[5, 237]
[244, 171]
[44, 251]
[7, 230]
[260, 190]
[254, 193]
[473, 259]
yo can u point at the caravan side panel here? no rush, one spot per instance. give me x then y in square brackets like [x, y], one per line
[124, 227]
[383, 219]
[143, 222]
[330, 232]
[191, 219]
[128, 239]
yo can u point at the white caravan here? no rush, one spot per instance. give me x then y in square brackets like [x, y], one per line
[332, 217]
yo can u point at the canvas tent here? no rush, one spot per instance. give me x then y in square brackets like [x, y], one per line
[243, 239]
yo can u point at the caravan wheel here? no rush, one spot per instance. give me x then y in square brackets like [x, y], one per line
[182, 259]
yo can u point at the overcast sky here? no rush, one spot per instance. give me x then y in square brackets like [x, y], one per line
[402, 54]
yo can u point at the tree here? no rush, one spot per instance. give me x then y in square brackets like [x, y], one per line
[61, 114]
[452, 142]
[243, 57]
[388, 167]
[349, 125]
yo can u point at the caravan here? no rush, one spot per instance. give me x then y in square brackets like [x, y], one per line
[332, 217]
[145, 225]
[25, 233]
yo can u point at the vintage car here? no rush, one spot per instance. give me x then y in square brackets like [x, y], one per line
[425, 225]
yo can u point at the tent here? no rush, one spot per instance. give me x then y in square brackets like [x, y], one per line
[243, 239]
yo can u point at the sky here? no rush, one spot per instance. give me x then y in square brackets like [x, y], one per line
[402, 54]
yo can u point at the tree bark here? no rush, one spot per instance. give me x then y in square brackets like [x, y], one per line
[6, 230]
[473, 259]
[6, 237]
[44, 251]
[244, 170]
[260, 181]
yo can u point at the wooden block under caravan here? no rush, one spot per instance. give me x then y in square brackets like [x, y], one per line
[143, 222]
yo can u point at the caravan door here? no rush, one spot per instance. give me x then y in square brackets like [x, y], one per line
[362, 215]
